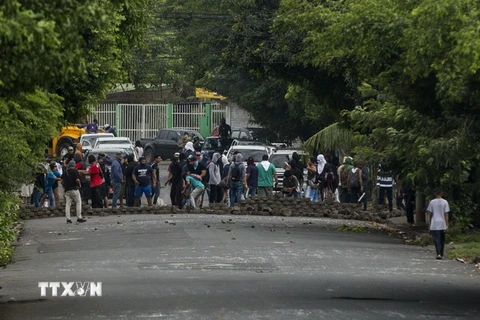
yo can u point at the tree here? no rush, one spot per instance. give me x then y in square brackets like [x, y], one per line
[56, 58]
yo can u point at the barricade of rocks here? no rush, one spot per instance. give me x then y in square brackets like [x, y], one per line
[275, 206]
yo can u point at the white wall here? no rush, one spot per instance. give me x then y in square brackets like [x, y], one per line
[239, 118]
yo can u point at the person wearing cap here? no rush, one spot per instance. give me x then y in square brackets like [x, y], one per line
[142, 176]
[252, 177]
[175, 180]
[109, 129]
[116, 178]
[71, 183]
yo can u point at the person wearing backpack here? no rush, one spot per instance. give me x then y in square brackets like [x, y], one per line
[237, 179]
[354, 184]
[343, 171]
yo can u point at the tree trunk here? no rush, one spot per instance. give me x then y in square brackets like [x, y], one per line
[419, 208]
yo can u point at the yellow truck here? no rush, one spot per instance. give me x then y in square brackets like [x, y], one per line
[68, 136]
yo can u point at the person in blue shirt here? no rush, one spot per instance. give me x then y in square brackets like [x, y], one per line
[52, 176]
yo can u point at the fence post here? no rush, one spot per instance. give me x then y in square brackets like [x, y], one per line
[170, 115]
[205, 123]
[118, 119]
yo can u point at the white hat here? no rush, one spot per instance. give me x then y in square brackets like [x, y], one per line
[107, 125]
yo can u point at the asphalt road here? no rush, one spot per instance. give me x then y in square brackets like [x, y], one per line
[249, 267]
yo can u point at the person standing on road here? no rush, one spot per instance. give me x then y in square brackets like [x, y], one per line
[156, 179]
[438, 210]
[71, 183]
[175, 180]
[266, 174]
[215, 178]
[129, 182]
[385, 186]
[116, 178]
[252, 177]
[354, 184]
[139, 148]
[105, 173]
[96, 183]
[237, 179]
[343, 171]
[81, 166]
[142, 176]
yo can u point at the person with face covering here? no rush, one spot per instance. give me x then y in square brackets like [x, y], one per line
[215, 178]
[321, 166]
[189, 149]
[237, 179]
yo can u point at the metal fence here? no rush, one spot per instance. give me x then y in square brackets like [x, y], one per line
[188, 115]
[138, 121]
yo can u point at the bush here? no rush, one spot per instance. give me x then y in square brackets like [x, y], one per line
[8, 215]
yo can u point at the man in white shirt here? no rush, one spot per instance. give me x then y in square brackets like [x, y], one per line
[438, 209]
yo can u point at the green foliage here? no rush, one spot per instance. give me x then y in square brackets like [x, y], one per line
[346, 228]
[56, 58]
[8, 215]
[468, 252]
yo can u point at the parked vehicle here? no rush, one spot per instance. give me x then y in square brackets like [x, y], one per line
[216, 144]
[241, 133]
[100, 142]
[167, 142]
[239, 142]
[88, 140]
[256, 152]
[67, 137]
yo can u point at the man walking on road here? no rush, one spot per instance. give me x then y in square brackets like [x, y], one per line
[438, 209]
[116, 178]
[71, 183]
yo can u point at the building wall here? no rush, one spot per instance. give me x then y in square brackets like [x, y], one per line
[240, 118]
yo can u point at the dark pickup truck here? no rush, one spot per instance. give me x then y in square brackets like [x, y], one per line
[167, 142]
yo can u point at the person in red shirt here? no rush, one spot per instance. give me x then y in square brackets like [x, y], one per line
[96, 183]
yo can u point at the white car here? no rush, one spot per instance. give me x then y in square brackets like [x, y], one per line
[103, 142]
[256, 152]
[88, 140]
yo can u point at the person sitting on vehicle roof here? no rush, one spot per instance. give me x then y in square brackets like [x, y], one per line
[92, 127]
[109, 129]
